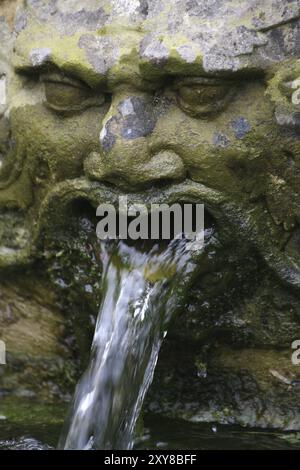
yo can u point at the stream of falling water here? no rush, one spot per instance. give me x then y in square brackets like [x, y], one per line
[141, 291]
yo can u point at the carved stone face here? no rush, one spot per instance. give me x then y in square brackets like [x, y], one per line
[136, 95]
[164, 101]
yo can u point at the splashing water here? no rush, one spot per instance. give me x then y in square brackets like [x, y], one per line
[141, 291]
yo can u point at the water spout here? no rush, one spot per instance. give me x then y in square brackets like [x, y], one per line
[141, 292]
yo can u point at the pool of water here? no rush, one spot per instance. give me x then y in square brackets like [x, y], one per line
[164, 433]
[30, 425]
[27, 424]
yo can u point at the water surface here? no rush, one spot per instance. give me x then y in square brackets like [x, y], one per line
[32, 425]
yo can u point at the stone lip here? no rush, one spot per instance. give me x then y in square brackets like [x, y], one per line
[97, 193]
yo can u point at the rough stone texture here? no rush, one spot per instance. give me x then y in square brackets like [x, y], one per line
[39, 362]
[185, 100]
[101, 52]
[8, 10]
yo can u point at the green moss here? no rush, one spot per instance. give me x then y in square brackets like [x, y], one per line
[277, 91]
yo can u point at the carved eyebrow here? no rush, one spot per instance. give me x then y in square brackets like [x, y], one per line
[87, 76]
[70, 70]
[218, 77]
[71, 74]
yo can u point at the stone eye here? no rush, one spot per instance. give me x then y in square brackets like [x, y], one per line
[67, 97]
[202, 99]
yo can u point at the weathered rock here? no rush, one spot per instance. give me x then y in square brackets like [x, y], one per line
[36, 335]
[164, 101]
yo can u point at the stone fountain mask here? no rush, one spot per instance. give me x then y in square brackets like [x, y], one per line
[161, 99]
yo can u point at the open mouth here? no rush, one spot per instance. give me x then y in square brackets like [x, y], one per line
[64, 195]
[177, 211]
[185, 216]
[232, 218]
[68, 211]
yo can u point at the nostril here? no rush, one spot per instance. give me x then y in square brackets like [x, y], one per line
[165, 166]
[161, 183]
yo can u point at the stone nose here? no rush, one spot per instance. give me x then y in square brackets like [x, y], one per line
[164, 166]
[125, 157]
